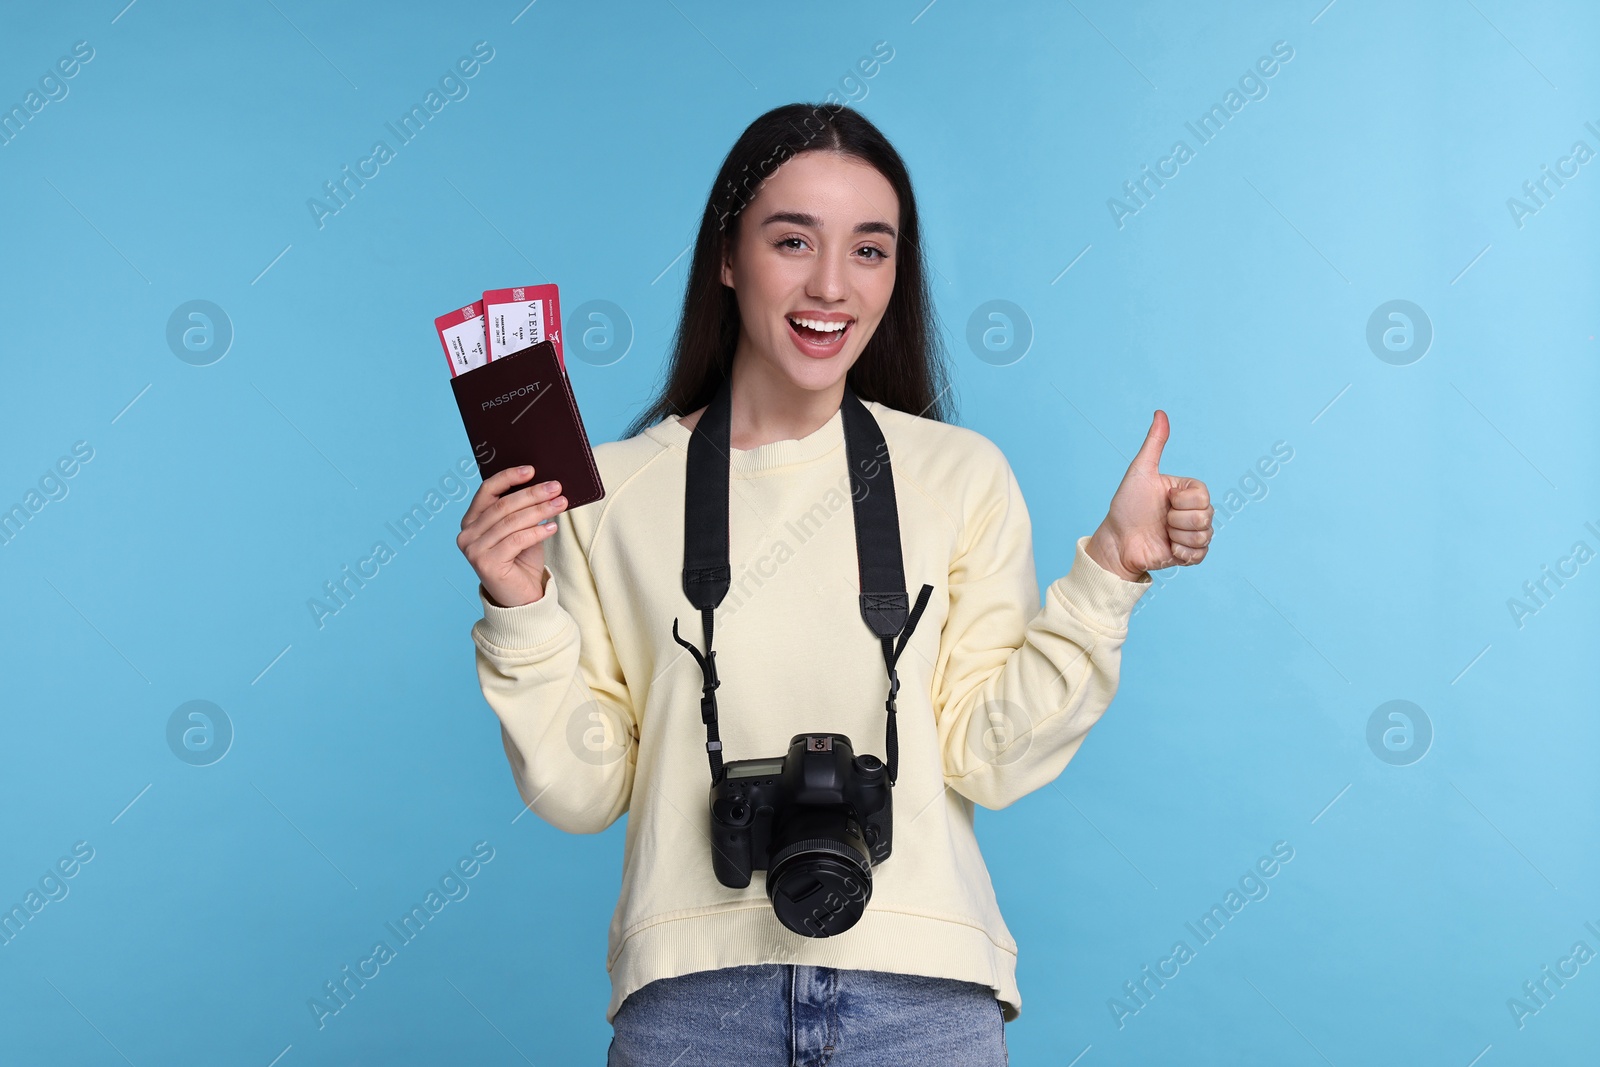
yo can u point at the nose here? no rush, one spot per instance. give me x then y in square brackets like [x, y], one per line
[828, 281]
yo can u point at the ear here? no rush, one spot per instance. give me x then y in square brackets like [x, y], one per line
[727, 263]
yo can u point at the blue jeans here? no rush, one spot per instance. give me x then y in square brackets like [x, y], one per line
[789, 1015]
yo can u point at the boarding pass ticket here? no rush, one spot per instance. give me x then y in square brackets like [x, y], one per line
[461, 333]
[521, 317]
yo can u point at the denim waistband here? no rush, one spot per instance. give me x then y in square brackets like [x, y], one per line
[803, 1016]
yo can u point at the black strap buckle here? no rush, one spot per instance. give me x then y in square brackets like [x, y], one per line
[708, 699]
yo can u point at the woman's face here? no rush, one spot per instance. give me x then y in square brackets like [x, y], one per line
[816, 251]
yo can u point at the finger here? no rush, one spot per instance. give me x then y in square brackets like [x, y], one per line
[1190, 538]
[514, 502]
[492, 543]
[500, 481]
[517, 542]
[533, 506]
[1187, 556]
[1149, 456]
[491, 489]
[1188, 494]
[1189, 520]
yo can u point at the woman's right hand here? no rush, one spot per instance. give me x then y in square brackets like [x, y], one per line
[502, 538]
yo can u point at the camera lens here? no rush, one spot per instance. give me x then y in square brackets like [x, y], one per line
[820, 876]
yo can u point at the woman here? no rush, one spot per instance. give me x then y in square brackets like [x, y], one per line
[807, 277]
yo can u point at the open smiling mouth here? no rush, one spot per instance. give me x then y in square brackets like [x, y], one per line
[815, 337]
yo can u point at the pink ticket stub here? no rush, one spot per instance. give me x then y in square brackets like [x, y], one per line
[521, 317]
[461, 333]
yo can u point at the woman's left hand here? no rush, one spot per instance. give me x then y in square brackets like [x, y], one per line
[1155, 520]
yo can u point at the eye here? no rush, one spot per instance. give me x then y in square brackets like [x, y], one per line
[788, 242]
[880, 253]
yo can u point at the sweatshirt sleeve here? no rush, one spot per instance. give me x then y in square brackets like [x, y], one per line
[550, 673]
[1017, 687]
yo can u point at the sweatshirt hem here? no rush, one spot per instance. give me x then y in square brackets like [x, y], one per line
[894, 941]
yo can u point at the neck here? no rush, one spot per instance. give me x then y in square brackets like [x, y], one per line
[768, 407]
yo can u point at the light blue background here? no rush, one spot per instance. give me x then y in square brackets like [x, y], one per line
[1375, 565]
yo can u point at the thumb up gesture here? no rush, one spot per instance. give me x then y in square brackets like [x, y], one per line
[1155, 520]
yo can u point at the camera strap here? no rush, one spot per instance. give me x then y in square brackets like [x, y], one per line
[707, 575]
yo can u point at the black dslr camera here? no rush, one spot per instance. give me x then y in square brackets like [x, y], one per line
[816, 821]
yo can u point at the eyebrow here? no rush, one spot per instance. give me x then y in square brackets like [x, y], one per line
[801, 218]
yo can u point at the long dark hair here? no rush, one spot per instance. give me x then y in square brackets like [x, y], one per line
[903, 365]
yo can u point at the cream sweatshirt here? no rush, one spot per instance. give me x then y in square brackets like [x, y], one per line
[600, 708]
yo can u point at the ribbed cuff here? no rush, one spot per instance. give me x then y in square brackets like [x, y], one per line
[1097, 593]
[527, 625]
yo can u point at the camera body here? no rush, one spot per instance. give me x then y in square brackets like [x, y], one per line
[816, 820]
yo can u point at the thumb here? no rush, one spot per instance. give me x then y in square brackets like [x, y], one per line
[1149, 457]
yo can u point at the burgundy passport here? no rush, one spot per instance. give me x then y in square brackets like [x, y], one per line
[520, 409]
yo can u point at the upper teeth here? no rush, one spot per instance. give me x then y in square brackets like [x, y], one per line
[825, 327]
